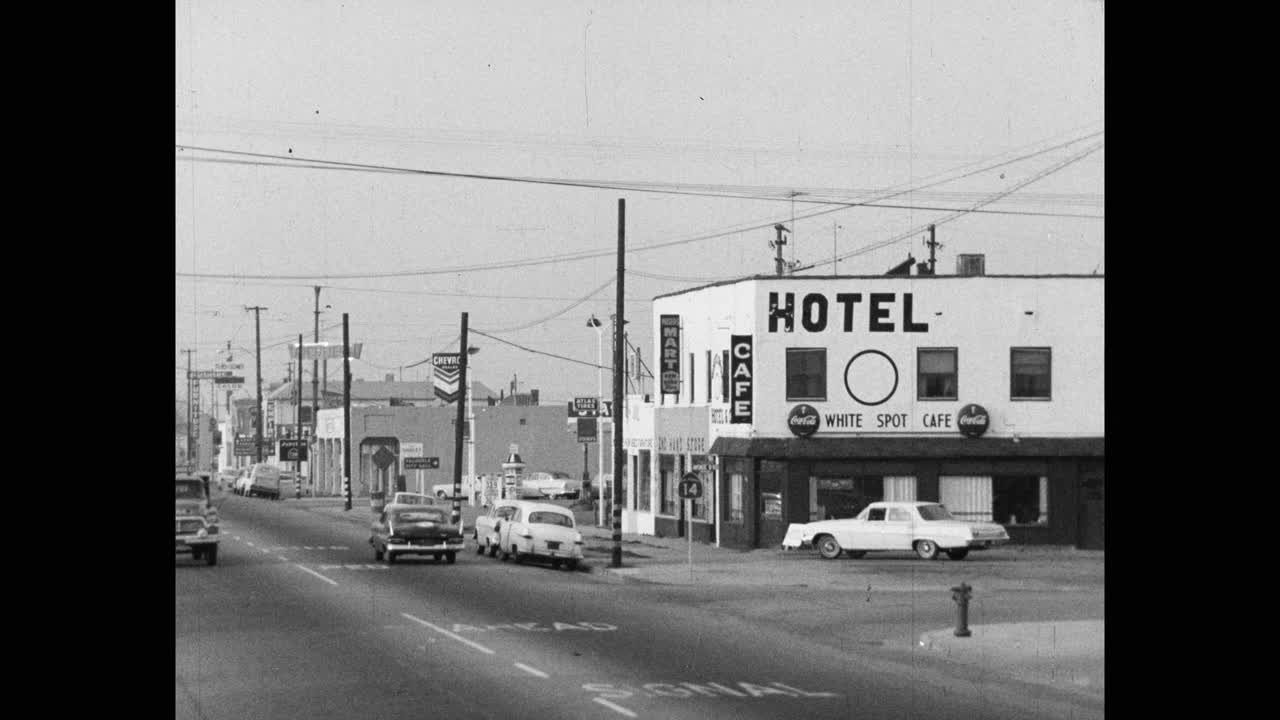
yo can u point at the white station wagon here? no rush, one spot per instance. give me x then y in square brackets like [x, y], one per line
[925, 527]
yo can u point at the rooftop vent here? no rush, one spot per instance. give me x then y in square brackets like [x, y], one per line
[971, 264]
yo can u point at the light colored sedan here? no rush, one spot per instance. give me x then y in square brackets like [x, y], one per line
[925, 527]
[521, 530]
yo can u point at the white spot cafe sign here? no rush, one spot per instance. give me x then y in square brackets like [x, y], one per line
[669, 331]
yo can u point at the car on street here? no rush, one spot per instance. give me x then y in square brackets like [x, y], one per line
[195, 519]
[410, 498]
[415, 530]
[521, 530]
[925, 527]
[263, 481]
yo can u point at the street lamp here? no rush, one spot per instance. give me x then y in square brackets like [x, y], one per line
[594, 322]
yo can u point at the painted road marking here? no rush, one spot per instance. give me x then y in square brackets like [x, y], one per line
[246, 542]
[613, 706]
[706, 689]
[446, 633]
[313, 572]
[532, 671]
[355, 566]
[533, 627]
[283, 558]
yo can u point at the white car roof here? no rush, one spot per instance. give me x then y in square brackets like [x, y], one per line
[531, 505]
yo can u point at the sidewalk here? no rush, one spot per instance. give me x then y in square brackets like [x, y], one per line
[1068, 655]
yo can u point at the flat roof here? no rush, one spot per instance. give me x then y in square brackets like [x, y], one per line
[799, 278]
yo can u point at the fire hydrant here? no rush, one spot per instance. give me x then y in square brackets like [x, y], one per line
[961, 596]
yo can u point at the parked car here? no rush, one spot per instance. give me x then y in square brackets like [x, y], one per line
[550, 485]
[520, 530]
[241, 486]
[415, 530]
[264, 481]
[925, 527]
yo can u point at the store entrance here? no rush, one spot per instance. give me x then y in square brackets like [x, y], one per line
[1093, 516]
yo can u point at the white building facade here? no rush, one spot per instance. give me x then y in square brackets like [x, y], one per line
[808, 397]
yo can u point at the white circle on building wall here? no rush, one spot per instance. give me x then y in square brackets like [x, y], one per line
[871, 377]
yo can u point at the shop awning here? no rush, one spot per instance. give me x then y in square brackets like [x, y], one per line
[907, 447]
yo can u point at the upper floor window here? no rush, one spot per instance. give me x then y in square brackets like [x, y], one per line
[1030, 373]
[806, 373]
[937, 378]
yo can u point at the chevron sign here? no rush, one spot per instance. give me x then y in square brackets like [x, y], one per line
[446, 376]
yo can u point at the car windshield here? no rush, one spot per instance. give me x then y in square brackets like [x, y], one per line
[934, 512]
[417, 516]
[550, 518]
[193, 490]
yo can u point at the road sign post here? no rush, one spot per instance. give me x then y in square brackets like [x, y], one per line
[690, 488]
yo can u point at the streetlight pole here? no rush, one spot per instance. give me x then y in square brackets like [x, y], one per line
[595, 323]
[315, 369]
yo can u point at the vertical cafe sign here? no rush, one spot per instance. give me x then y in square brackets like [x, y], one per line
[669, 330]
[740, 379]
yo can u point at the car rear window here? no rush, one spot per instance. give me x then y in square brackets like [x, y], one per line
[550, 518]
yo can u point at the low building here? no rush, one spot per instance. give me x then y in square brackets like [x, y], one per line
[805, 398]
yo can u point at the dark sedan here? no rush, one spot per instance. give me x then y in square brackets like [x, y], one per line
[415, 530]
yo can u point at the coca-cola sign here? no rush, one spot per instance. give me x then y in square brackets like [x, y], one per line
[803, 420]
[973, 420]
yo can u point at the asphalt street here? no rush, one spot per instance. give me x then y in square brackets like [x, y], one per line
[298, 619]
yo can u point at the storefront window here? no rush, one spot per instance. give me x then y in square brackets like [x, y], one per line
[702, 505]
[1030, 373]
[806, 373]
[643, 496]
[667, 485]
[937, 375]
[735, 514]
[771, 505]
[1020, 499]
[1005, 499]
[834, 498]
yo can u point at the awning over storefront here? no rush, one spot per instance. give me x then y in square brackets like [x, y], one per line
[916, 447]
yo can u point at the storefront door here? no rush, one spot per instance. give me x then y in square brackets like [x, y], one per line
[772, 520]
[1093, 529]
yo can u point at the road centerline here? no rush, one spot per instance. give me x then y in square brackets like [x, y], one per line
[532, 670]
[313, 572]
[446, 633]
[613, 706]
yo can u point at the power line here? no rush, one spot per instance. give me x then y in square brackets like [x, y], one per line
[541, 352]
[592, 254]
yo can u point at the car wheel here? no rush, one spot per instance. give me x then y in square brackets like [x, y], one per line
[195, 553]
[493, 549]
[505, 556]
[515, 553]
[437, 556]
[958, 553]
[451, 557]
[391, 558]
[926, 549]
[377, 553]
[480, 547]
[555, 564]
[571, 564]
[828, 548]
[211, 555]
[855, 554]
[440, 494]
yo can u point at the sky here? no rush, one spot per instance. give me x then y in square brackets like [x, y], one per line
[713, 121]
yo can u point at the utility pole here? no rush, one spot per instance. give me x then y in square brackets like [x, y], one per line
[779, 263]
[346, 415]
[297, 464]
[619, 462]
[189, 413]
[315, 368]
[933, 245]
[257, 339]
[456, 517]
